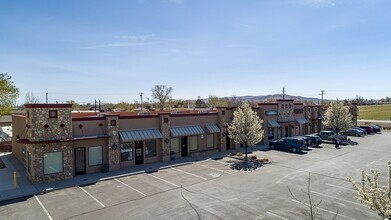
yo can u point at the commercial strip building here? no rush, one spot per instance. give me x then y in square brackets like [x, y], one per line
[55, 144]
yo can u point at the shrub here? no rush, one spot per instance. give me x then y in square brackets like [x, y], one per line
[253, 157]
[239, 154]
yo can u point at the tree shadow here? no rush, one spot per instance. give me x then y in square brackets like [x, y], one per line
[248, 165]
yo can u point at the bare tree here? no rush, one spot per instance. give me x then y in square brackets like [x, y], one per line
[246, 127]
[337, 117]
[161, 93]
[31, 98]
[311, 204]
[376, 197]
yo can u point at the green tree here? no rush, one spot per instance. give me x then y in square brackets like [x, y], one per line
[124, 107]
[337, 117]
[162, 93]
[376, 197]
[8, 94]
[214, 101]
[246, 127]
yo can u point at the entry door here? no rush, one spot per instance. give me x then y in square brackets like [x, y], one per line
[139, 152]
[286, 131]
[80, 160]
[184, 146]
[228, 142]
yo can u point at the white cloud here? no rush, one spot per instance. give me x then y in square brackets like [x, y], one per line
[137, 37]
[116, 44]
[318, 3]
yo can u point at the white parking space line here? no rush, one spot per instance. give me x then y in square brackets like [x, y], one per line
[202, 165]
[342, 187]
[343, 200]
[43, 207]
[325, 210]
[130, 187]
[163, 180]
[275, 215]
[91, 196]
[203, 178]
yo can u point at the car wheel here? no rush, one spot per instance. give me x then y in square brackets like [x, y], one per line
[294, 150]
[357, 135]
[272, 146]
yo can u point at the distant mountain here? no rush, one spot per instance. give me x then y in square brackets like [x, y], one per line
[262, 98]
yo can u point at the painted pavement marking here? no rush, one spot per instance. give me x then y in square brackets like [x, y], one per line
[92, 196]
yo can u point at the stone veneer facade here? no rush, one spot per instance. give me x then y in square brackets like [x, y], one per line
[165, 124]
[114, 146]
[43, 128]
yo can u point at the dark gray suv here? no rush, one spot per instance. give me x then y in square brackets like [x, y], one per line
[294, 144]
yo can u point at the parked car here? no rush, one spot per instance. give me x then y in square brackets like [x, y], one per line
[315, 140]
[293, 144]
[353, 132]
[376, 129]
[361, 129]
[331, 136]
[369, 129]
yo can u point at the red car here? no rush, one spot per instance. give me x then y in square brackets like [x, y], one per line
[369, 129]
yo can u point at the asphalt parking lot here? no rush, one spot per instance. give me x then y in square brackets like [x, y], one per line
[210, 189]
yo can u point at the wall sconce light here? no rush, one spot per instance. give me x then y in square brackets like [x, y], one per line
[224, 134]
[114, 147]
[202, 136]
[166, 140]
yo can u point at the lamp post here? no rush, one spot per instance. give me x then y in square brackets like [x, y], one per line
[141, 97]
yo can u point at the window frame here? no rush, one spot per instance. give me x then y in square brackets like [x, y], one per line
[122, 152]
[207, 140]
[179, 145]
[146, 151]
[194, 137]
[89, 156]
[53, 114]
[62, 162]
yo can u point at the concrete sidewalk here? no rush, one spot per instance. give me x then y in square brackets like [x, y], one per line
[25, 188]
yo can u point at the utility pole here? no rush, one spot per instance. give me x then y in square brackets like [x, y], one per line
[46, 98]
[283, 92]
[95, 105]
[141, 97]
[99, 105]
[322, 94]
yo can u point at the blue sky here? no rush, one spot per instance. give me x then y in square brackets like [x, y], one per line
[112, 50]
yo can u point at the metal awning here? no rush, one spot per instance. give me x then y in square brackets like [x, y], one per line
[273, 124]
[212, 128]
[186, 131]
[138, 135]
[301, 121]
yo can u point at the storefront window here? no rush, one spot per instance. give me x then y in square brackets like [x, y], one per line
[175, 145]
[150, 148]
[127, 152]
[193, 142]
[210, 140]
[53, 163]
[95, 156]
[270, 133]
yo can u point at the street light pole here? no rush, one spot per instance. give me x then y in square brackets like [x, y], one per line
[141, 97]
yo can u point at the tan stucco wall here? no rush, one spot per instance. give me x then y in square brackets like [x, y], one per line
[92, 143]
[90, 128]
[18, 130]
[138, 123]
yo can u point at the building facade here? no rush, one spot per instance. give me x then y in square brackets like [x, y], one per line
[55, 144]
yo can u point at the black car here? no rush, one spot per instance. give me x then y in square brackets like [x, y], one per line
[294, 144]
[376, 129]
[353, 132]
[315, 140]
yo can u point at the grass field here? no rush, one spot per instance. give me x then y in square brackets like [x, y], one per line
[374, 112]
